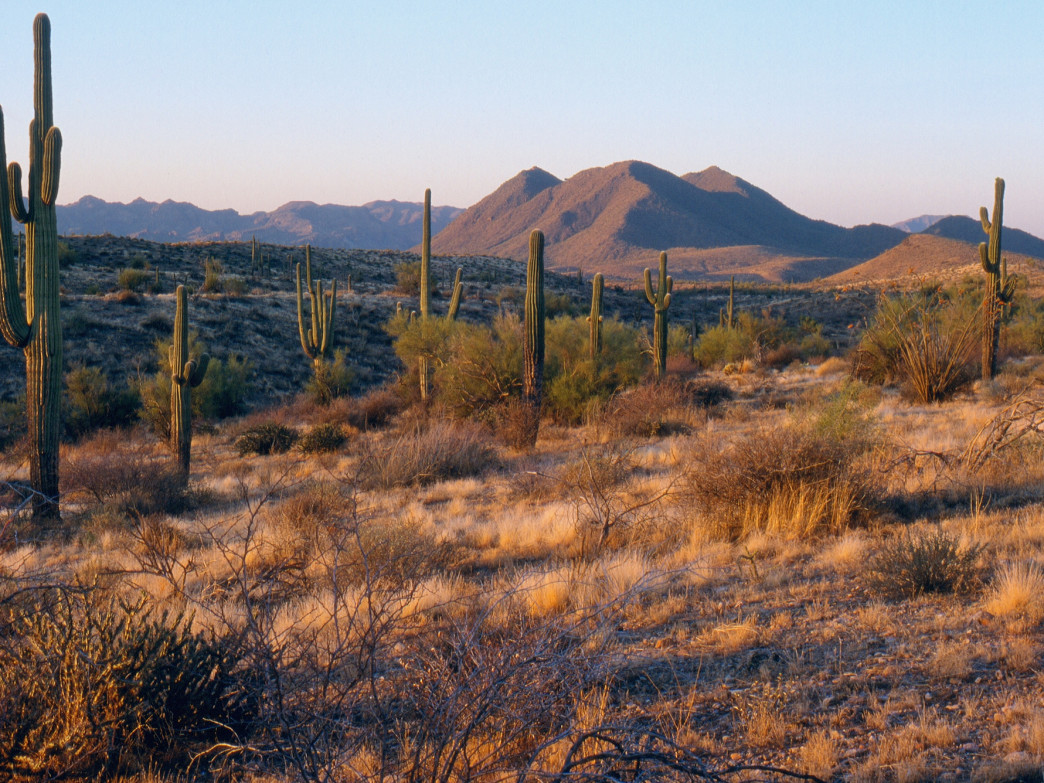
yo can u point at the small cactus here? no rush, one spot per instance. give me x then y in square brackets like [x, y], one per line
[595, 318]
[533, 338]
[1000, 288]
[185, 375]
[660, 300]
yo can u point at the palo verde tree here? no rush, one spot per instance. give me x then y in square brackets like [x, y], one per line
[1000, 289]
[36, 327]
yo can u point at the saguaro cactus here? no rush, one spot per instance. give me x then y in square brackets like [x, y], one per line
[36, 327]
[185, 375]
[1000, 288]
[458, 290]
[533, 338]
[660, 300]
[729, 322]
[425, 291]
[316, 338]
[595, 318]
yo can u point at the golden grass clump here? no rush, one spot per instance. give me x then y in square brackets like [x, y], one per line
[1017, 592]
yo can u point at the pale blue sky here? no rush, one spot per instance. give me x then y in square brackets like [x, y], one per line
[848, 112]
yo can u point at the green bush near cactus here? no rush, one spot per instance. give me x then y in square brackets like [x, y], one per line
[267, 438]
[323, 438]
[90, 402]
[131, 279]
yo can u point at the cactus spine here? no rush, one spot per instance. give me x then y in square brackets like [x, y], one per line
[660, 300]
[36, 326]
[533, 338]
[1000, 288]
[317, 337]
[185, 375]
[595, 318]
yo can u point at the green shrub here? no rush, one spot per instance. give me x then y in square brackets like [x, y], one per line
[331, 380]
[486, 367]
[13, 424]
[325, 437]
[90, 402]
[133, 279]
[266, 438]
[934, 562]
[213, 281]
[407, 278]
[416, 338]
[91, 688]
[721, 345]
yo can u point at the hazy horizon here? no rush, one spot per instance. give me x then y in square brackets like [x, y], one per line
[846, 114]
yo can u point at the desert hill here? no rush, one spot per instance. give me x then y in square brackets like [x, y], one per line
[617, 218]
[393, 225]
[968, 229]
[929, 257]
[918, 224]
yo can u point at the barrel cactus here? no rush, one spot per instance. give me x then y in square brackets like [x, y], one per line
[185, 375]
[660, 300]
[35, 327]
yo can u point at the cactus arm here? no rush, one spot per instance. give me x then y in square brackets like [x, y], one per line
[15, 198]
[301, 318]
[984, 257]
[13, 324]
[52, 162]
[328, 318]
[458, 291]
[195, 371]
[648, 287]
[984, 218]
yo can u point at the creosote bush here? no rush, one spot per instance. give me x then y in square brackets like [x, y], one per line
[266, 438]
[322, 438]
[933, 562]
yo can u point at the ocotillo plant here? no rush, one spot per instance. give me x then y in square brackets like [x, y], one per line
[595, 318]
[316, 338]
[185, 375]
[660, 300]
[1000, 288]
[533, 338]
[36, 327]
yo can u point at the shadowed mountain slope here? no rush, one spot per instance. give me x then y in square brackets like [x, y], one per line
[615, 219]
[966, 229]
[394, 225]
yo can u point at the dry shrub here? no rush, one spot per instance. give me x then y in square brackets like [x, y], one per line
[323, 438]
[371, 411]
[934, 562]
[512, 421]
[92, 686]
[123, 475]
[269, 437]
[795, 481]
[1017, 591]
[441, 451]
[652, 410]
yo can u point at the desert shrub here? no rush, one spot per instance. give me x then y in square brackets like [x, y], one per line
[373, 410]
[486, 369]
[130, 279]
[66, 255]
[1023, 332]
[706, 393]
[407, 279]
[800, 479]
[443, 450]
[573, 380]
[416, 338]
[331, 380]
[213, 280]
[90, 402]
[221, 393]
[92, 687]
[651, 410]
[123, 474]
[266, 438]
[934, 562]
[324, 437]
[721, 345]
[559, 304]
[234, 286]
[924, 341]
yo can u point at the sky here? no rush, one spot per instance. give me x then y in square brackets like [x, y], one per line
[847, 112]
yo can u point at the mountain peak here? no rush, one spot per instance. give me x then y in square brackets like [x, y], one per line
[717, 180]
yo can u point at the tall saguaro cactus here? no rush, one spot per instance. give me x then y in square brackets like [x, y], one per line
[533, 338]
[595, 318]
[185, 375]
[1000, 288]
[316, 333]
[458, 290]
[729, 322]
[660, 300]
[35, 327]
[425, 291]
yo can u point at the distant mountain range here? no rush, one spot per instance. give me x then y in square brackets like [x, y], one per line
[387, 225]
[614, 219]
